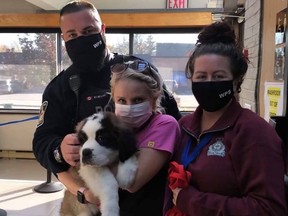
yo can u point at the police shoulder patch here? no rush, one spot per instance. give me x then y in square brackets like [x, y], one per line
[43, 109]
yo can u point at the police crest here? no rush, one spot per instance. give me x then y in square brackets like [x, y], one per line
[217, 149]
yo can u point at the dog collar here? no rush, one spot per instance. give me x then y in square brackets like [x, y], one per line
[81, 196]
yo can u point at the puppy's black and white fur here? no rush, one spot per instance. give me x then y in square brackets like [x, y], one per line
[104, 141]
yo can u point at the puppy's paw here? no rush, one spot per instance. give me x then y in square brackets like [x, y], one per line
[127, 172]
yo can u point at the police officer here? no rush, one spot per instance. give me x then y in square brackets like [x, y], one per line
[80, 90]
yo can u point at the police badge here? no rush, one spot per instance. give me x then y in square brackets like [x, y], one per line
[218, 149]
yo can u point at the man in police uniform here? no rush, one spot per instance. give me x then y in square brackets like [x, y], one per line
[79, 90]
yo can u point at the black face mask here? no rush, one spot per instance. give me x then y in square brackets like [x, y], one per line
[213, 96]
[87, 52]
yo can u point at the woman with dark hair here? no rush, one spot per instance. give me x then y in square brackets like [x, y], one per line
[234, 157]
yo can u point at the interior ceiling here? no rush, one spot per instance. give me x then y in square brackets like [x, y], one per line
[31, 6]
[48, 4]
[18, 6]
[52, 4]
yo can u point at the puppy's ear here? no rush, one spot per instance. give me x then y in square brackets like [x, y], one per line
[127, 144]
[125, 137]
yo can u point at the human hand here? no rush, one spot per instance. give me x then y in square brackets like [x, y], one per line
[175, 194]
[91, 198]
[70, 147]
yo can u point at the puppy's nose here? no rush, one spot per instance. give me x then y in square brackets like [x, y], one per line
[86, 155]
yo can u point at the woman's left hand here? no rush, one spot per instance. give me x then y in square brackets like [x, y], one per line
[175, 194]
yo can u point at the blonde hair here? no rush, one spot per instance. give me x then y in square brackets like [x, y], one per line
[152, 80]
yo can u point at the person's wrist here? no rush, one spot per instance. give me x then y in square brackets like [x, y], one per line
[58, 155]
[81, 195]
[90, 198]
[87, 195]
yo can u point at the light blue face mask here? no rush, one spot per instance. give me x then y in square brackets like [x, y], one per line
[134, 115]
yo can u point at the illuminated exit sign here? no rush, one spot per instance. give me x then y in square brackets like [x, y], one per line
[174, 4]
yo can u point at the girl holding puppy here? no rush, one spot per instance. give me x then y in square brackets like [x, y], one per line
[136, 89]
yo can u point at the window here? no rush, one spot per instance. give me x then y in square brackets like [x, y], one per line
[29, 61]
[118, 43]
[27, 64]
[169, 53]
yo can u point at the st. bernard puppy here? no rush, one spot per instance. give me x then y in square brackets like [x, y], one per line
[105, 141]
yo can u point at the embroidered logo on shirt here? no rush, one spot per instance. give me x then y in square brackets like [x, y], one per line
[151, 144]
[217, 149]
[94, 97]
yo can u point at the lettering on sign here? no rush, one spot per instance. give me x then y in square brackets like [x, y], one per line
[176, 4]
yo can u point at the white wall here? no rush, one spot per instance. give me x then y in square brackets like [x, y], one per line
[17, 136]
[251, 42]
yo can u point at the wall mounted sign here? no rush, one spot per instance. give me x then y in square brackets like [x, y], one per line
[176, 4]
[273, 99]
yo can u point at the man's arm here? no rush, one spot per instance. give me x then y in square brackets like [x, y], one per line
[52, 127]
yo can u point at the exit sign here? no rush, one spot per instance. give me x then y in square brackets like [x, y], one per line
[174, 4]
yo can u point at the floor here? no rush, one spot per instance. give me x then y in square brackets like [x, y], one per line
[19, 178]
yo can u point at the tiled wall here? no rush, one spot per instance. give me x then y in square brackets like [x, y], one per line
[251, 42]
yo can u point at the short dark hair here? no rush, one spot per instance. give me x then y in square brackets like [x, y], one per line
[76, 6]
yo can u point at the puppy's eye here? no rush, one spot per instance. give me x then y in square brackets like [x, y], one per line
[100, 139]
[82, 137]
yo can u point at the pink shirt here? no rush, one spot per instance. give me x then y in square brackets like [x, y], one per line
[161, 133]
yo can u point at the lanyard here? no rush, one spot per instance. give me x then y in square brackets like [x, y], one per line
[187, 158]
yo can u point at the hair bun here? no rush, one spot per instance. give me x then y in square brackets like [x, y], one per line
[217, 32]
